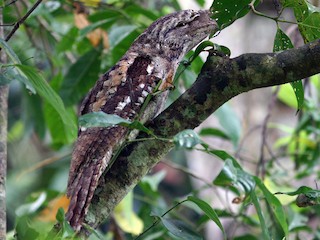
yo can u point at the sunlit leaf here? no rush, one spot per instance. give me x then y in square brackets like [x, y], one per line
[125, 216]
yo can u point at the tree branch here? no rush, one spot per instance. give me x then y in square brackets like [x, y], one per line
[3, 141]
[221, 79]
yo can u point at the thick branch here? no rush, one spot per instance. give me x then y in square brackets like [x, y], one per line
[221, 79]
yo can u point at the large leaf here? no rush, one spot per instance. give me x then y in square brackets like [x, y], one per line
[307, 16]
[312, 27]
[45, 91]
[81, 77]
[208, 210]
[231, 175]
[283, 42]
[226, 12]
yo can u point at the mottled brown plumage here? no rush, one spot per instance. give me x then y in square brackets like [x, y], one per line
[151, 61]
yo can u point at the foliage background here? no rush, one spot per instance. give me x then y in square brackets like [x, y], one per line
[71, 44]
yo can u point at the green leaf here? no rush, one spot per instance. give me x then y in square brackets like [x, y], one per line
[230, 122]
[312, 27]
[119, 33]
[59, 132]
[201, 2]
[307, 16]
[101, 119]
[186, 139]
[179, 229]
[135, 10]
[67, 41]
[103, 23]
[199, 49]
[246, 237]
[232, 175]
[299, 92]
[208, 210]
[306, 196]
[45, 91]
[81, 77]
[11, 54]
[226, 12]
[283, 42]
[24, 230]
[66, 230]
[213, 132]
[265, 232]
[223, 155]
[60, 215]
[276, 206]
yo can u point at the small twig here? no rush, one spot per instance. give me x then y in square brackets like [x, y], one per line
[7, 24]
[8, 4]
[22, 20]
[264, 134]
[253, 9]
[40, 165]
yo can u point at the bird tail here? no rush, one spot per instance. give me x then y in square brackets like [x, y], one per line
[90, 158]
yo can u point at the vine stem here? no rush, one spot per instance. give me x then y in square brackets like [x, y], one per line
[159, 218]
[253, 9]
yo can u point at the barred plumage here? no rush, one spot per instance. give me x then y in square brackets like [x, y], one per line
[153, 58]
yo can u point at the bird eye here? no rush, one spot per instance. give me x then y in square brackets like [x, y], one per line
[181, 24]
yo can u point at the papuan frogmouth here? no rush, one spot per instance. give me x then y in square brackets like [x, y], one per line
[149, 64]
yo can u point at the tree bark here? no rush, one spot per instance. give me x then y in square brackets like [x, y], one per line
[3, 141]
[221, 79]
